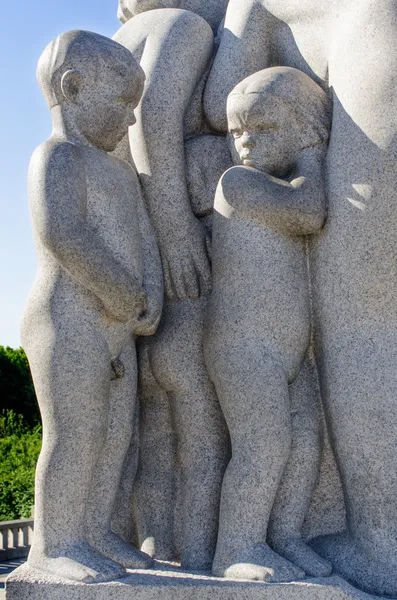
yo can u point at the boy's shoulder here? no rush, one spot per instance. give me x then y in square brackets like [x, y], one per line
[57, 155]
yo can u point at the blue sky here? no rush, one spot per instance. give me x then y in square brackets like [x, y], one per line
[26, 27]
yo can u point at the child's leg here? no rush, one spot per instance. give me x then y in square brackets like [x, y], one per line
[122, 407]
[71, 371]
[253, 391]
[300, 476]
[155, 486]
[202, 439]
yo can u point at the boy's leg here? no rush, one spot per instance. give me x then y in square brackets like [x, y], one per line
[253, 392]
[108, 471]
[71, 371]
[300, 476]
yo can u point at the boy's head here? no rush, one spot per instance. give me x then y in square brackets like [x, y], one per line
[130, 8]
[95, 81]
[273, 115]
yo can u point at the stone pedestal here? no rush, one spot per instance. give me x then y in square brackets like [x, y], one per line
[170, 583]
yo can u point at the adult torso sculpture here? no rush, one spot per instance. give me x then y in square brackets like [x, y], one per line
[350, 48]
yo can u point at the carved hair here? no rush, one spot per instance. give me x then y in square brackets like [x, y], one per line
[305, 99]
[82, 51]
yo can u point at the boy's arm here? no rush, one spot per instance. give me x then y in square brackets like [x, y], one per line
[58, 201]
[296, 208]
[153, 282]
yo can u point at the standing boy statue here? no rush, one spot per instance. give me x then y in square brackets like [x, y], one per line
[258, 326]
[99, 283]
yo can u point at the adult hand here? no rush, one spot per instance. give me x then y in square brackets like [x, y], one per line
[186, 262]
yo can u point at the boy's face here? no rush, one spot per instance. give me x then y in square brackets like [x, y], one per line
[262, 134]
[106, 103]
[130, 8]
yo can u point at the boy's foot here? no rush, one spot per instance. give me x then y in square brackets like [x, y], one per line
[79, 563]
[123, 553]
[257, 563]
[160, 550]
[299, 553]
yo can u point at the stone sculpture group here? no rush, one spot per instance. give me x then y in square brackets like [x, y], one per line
[212, 331]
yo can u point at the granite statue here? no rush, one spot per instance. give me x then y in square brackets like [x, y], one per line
[258, 324]
[349, 49]
[284, 112]
[176, 392]
[99, 284]
[213, 11]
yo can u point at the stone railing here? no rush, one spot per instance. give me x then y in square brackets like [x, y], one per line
[15, 538]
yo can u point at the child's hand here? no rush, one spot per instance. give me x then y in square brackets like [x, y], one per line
[128, 304]
[149, 320]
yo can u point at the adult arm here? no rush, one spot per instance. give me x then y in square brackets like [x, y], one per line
[177, 48]
[244, 49]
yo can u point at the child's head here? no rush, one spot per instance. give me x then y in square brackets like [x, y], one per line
[273, 115]
[95, 81]
[130, 8]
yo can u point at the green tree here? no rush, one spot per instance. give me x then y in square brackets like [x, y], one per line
[16, 386]
[19, 451]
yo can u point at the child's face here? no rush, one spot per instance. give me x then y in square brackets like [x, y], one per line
[106, 104]
[130, 8]
[263, 135]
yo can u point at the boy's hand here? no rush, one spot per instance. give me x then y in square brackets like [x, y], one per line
[128, 304]
[149, 320]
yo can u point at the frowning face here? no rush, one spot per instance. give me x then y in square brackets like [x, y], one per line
[130, 8]
[262, 134]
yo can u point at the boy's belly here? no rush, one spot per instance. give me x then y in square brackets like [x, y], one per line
[260, 288]
[58, 306]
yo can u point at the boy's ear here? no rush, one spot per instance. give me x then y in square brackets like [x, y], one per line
[71, 83]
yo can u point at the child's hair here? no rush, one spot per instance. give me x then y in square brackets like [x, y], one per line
[82, 51]
[306, 101]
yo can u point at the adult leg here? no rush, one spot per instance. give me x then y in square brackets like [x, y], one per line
[202, 439]
[71, 373]
[155, 486]
[300, 476]
[253, 392]
[355, 293]
[106, 481]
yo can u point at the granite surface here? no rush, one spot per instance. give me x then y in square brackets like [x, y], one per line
[296, 345]
[98, 285]
[349, 49]
[170, 583]
[258, 323]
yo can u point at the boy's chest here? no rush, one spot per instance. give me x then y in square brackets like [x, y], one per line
[112, 194]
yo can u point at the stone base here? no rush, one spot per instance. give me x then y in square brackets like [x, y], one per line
[170, 583]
